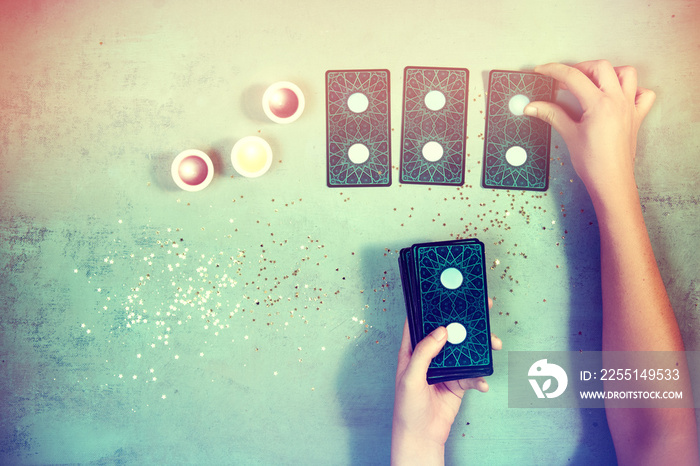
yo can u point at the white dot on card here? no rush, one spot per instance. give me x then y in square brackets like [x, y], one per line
[456, 333]
[517, 104]
[358, 102]
[451, 278]
[516, 156]
[432, 151]
[435, 100]
[358, 153]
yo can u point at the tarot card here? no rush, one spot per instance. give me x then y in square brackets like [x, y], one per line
[434, 126]
[516, 146]
[452, 292]
[358, 150]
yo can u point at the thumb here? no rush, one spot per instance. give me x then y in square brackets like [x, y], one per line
[424, 352]
[551, 113]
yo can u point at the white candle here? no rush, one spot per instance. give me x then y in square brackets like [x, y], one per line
[251, 156]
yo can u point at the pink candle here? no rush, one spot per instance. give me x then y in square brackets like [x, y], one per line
[192, 170]
[283, 102]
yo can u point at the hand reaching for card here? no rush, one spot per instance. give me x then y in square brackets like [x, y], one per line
[423, 414]
[602, 143]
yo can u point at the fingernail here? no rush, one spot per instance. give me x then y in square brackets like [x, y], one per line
[439, 334]
[530, 111]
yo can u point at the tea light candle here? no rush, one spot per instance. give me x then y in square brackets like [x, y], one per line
[283, 102]
[251, 156]
[192, 170]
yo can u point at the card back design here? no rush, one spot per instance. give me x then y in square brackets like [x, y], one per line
[434, 125]
[466, 304]
[358, 151]
[516, 147]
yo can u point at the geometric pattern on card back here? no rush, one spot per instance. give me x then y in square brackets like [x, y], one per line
[467, 304]
[505, 130]
[370, 128]
[447, 126]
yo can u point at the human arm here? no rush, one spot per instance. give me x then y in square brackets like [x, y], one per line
[423, 413]
[637, 314]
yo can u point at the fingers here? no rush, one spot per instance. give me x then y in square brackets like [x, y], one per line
[601, 73]
[575, 81]
[480, 384]
[423, 353]
[458, 387]
[584, 78]
[405, 349]
[553, 114]
[496, 342]
[644, 99]
[627, 77]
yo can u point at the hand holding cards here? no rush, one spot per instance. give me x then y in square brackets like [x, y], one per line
[444, 284]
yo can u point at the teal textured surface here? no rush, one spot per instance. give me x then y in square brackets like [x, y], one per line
[97, 242]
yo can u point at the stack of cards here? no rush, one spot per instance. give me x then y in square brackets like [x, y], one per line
[444, 284]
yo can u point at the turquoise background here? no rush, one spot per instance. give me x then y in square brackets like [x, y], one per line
[279, 298]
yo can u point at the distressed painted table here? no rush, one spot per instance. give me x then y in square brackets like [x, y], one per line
[258, 321]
